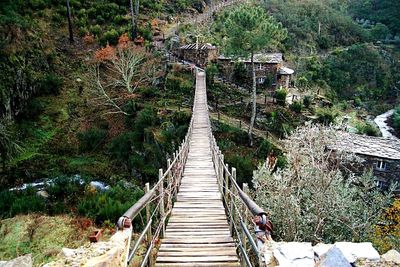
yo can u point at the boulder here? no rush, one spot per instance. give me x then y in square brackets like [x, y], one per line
[321, 248]
[22, 261]
[354, 251]
[294, 254]
[333, 258]
[392, 256]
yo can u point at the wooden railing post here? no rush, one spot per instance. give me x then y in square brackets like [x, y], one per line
[244, 216]
[221, 176]
[171, 181]
[162, 210]
[227, 186]
[149, 234]
[232, 200]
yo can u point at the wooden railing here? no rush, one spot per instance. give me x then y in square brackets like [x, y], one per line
[157, 202]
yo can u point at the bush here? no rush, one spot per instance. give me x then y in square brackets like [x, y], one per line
[280, 96]
[244, 168]
[326, 116]
[50, 84]
[307, 101]
[92, 139]
[396, 118]
[266, 147]
[367, 129]
[111, 37]
[296, 106]
[95, 30]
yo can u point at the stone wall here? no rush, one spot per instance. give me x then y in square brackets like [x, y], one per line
[343, 254]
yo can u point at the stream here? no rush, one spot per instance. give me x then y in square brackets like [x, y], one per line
[385, 129]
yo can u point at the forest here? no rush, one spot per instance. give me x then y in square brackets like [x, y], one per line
[105, 103]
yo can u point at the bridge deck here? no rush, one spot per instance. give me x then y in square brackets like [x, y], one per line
[198, 233]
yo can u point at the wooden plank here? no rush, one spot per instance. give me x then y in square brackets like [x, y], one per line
[206, 240]
[198, 264]
[198, 259]
[197, 253]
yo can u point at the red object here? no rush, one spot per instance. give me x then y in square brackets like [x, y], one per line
[95, 236]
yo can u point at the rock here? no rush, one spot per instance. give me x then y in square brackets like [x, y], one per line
[354, 251]
[392, 256]
[68, 253]
[23, 261]
[333, 258]
[321, 248]
[294, 254]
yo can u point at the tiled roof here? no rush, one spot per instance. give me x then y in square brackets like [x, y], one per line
[381, 147]
[200, 47]
[273, 58]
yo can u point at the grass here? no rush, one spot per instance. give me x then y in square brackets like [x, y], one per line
[43, 236]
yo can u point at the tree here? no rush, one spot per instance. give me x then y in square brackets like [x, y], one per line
[134, 15]
[8, 146]
[120, 70]
[317, 197]
[248, 30]
[71, 35]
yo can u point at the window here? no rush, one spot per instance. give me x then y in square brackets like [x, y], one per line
[260, 67]
[261, 80]
[380, 165]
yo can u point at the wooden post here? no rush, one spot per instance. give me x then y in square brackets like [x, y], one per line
[227, 186]
[244, 216]
[162, 210]
[232, 200]
[149, 234]
[221, 174]
[171, 181]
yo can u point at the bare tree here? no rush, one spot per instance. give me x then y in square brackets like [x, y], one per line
[312, 199]
[118, 73]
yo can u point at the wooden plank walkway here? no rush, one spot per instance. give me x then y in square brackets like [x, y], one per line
[198, 233]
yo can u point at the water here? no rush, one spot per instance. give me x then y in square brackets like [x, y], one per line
[39, 185]
[385, 129]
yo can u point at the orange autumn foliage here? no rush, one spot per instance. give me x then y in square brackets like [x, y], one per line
[124, 41]
[88, 38]
[105, 53]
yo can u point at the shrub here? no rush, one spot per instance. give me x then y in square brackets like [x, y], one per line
[280, 96]
[92, 139]
[111, 37]
[367, 129]
[50, 84]
[326, 116]
[27, 202]
[244, 168]
[266, 147]
[296, 106]
[95, 30]
[307, 101]
[396, 118]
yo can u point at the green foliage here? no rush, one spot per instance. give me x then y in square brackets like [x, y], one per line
[383, 11]
[249, 29]
[91, 139]
[302, 19]
[109, 205]
[95, 30]
[110, 37]
[280, 95]
[367, 129]
[307, 101]
[359, 71]
[396, 118]
[326, 116]
[244, 168]
[296, 106]
[240, 73]
[380, 31]
[50, 84]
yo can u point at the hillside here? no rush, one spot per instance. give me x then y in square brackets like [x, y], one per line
[84, 125]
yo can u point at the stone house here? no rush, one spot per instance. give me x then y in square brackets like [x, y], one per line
[199, 54]
[270, 72]
[380, 154]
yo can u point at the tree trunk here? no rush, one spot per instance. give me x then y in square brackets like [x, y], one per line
[254, 101]
[71, 35]
[133, 20]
